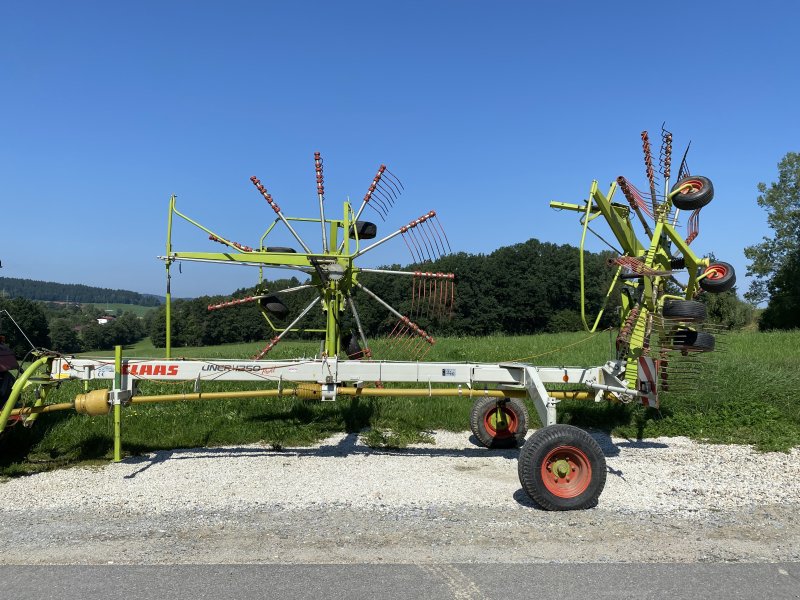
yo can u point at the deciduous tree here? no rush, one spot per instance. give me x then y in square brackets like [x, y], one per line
[781, 200]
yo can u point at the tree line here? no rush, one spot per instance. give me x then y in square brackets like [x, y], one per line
[526, 288]
[11, 287]
[64, 328]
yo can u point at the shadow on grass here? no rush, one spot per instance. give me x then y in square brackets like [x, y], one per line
[18, 442]
[624, 419]
[355, 415]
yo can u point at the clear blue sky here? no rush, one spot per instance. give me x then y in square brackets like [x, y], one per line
[485, 110]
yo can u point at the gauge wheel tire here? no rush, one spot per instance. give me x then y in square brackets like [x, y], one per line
[698, 191]
[689, 340]
[504, 430]
[719, 277]
[562, 467]
[274, 305]
[684, 310]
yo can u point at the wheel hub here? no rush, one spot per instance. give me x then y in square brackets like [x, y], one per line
[566, 471]
[561, 468]
[498, 420]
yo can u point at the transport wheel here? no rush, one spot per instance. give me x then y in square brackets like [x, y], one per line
[562, 467]
[696, 192]
[689, 340]
[720, 277]
[499, 423]
[685, 310]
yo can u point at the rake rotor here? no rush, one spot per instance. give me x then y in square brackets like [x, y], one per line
[656, 322]
[333, 272]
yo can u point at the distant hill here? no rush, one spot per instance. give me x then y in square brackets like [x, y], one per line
[49, 291]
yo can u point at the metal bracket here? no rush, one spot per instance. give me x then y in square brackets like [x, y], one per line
[121, 397]
[328, 392]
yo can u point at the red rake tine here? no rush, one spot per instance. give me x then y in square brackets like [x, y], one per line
[422, 296]
[648, 161]
[418, 348]
[424, 231]
[416, 253]
[432, 300]
[428, 349]
[409, 341]
[391, 335]
[392, 180]
[444, 235]
[388, 193]
[399, 334]
[413, 293]
[443, 298]
[434, 296]
[434, 235]
[428, 246]
[427, 308]
[410, 251]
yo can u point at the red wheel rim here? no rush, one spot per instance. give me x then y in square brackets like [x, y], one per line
[494, 425]
[566, 472]
[716, 272]
[692, 186]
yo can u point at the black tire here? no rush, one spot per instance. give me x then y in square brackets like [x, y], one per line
[283, 249]
[699, 193]
[6, 384]
[689, 340]
[684, 310]
[351, 347]
[720, 278]
[490, 431]
[274, 305]
[676, 263]
[365, 229]
[562, 467]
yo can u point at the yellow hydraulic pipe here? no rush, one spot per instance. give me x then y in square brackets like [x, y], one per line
[35, 410]
[212, 396]
[435, 393]
[560, 395]
[311, 391]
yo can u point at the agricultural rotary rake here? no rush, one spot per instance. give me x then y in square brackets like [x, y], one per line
[333, 272]
[561, 467]
[660, 316]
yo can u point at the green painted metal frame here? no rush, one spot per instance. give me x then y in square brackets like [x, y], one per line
[654, 256]
[26, 379]
[333, 292]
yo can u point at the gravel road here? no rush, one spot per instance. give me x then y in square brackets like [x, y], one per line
[666, 500]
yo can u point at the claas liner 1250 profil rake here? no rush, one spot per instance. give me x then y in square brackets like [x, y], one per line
[561, 467]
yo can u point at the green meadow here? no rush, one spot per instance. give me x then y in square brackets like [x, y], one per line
[746, 393]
